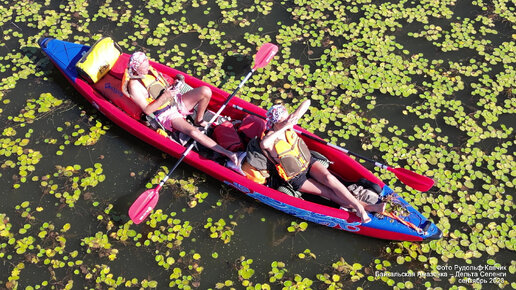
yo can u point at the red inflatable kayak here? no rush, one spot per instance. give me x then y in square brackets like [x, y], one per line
[65, 55]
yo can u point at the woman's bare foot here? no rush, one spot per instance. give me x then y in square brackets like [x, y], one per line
[379, 207]
[364, 216]
[201, 123]
[237, 158]
[234, 158]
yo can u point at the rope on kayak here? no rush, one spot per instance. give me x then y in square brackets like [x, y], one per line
[399, 207]
[404, 222]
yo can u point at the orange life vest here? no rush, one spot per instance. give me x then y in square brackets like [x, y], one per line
[154, 82]
[258, 176]
[254, 165]
[293, 156]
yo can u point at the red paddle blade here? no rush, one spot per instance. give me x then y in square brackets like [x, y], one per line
[265, 55]
[143, 206]
[412, 179]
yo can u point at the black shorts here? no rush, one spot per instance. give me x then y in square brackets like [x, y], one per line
[300, 179]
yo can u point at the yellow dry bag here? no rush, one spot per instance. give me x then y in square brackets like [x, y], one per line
[98, 60]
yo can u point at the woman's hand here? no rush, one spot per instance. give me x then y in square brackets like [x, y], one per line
[292, 120]
[173, 91]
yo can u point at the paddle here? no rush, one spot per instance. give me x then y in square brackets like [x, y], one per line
[410, 178]
[146, 202]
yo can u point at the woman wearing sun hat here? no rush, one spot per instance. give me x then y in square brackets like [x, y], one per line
[295, 165]
[151, 92]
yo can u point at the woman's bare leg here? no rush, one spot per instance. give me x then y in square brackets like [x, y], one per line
[323, 176]
[199, 96]
[183, 126]
[312, 186]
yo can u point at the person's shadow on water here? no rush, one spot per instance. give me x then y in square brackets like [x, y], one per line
[235, 66]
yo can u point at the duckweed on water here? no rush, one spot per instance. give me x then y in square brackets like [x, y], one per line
[306, 254]
[297, 227]
[182, 187]
[76, 181]
[245, 272]
[412, 83]
[279, 275]
[220, 230]
[100, 243]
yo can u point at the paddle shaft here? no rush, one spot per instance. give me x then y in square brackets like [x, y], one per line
[262, 58]
[141, 208]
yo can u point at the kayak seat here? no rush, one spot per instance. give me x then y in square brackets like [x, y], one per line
[251, 127]
[321, 158]
[109, 86]
[119, 67]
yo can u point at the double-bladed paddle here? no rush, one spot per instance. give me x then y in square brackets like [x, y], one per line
[410, 178]
[146, 202]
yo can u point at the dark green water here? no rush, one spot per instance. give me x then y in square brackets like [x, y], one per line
[260, 232]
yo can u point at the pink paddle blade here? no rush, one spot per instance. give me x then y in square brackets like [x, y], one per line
[143, 206]
[265, 55]
[412, 179]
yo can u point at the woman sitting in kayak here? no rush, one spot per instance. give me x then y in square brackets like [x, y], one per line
[296, 166]
[151, 92]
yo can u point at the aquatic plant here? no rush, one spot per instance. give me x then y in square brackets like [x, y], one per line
[306, 254]
[100, 243]
[425, 85]
[76, 181]
[297, 227]
[341, 271]
[220, 230]
[277, 272]
[245, 272]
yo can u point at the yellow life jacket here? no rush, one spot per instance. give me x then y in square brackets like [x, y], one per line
[154, 82]
[293, 155]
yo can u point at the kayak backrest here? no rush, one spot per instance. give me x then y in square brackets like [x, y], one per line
[109, 87]
[252, 127]
[119, 67]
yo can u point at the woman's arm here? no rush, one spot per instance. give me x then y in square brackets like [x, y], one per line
[268, 140]
[139, 95]
[299, 112]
